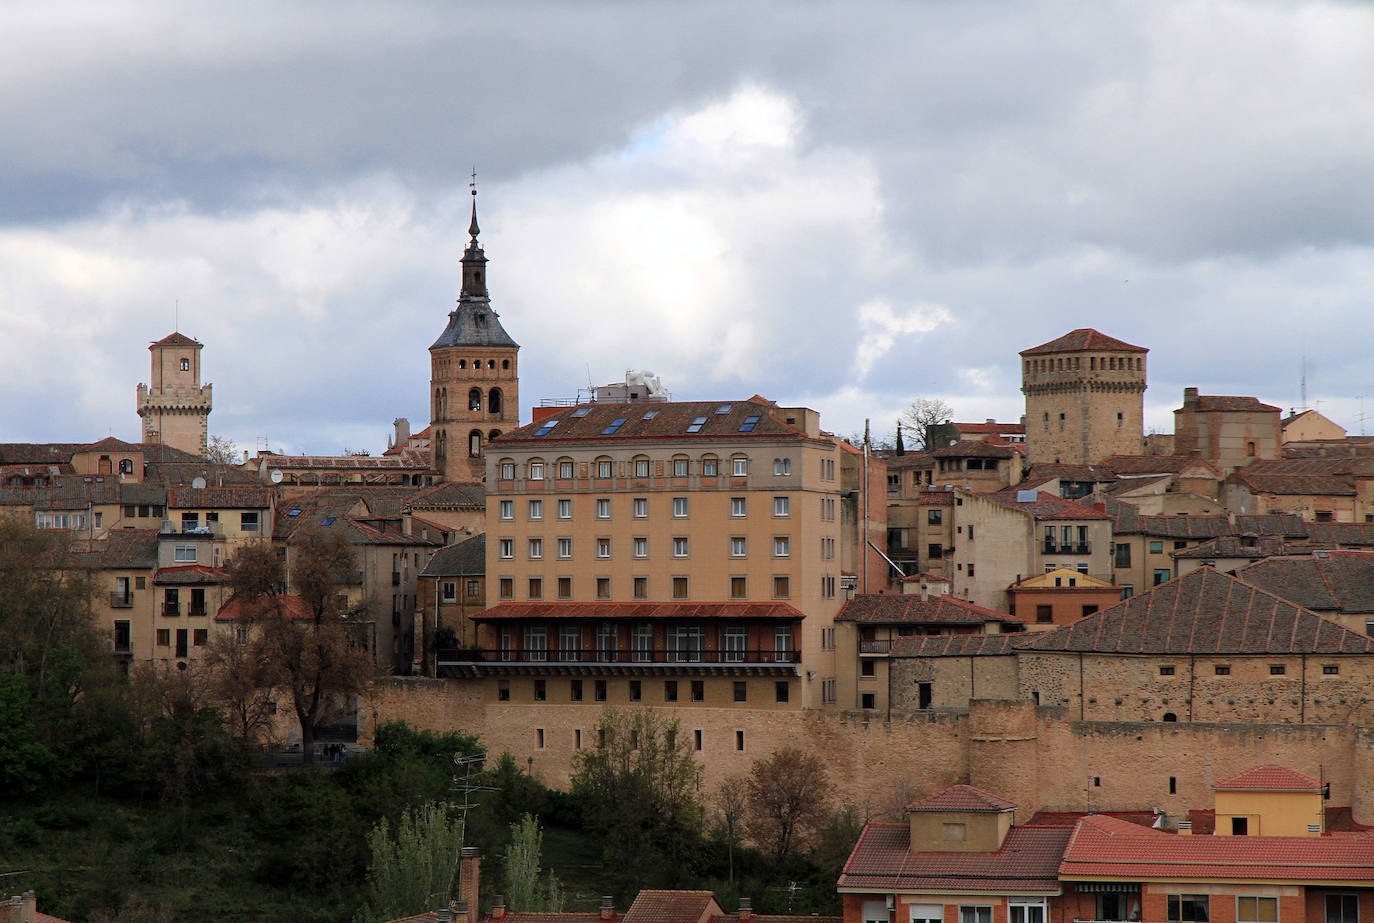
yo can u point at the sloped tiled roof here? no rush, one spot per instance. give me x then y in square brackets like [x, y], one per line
[1127, 519]
[466, 558]
[125, 549]
[654, 906]
[240, 496]
[1203, 612]
[1316, 485]
[1045, 505]
[954, 646]
[1105, 847]
[653, 421]
[294, 607]
[1084, 338]
[1064, 472]
[965, 799]
[973, 448]
[111, 444]
[176, 339]
[888, 608]
[1341, 581]
[1244, 546]
[1028, 861]
[1268, 779]
[1343, 533]
[641, 611]
[990, 428]
[449, 496]
[189, 575]
[1230, 403]
[911, 459]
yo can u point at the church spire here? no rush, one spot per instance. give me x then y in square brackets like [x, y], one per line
[474, 271]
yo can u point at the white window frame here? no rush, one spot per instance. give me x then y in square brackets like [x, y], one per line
[681, 546]
[681, 507]
[782, 507]
[184, 554]
[739, 466]
[640, 545]
[782, 546]
[506, 510]
[536, 548]
[565, 508]
[639, 507]
[739, 546]
[505, 549]
[739, 507]
[565, 546]
[536, 471]
[536, 510]
[603, 548]
[603, 508]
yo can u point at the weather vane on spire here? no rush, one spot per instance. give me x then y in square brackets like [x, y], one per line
[473, 184]
[472, 228]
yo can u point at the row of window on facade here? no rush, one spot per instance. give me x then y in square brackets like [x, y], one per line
[639, 547]
[641, 466]
[494, 402]
[684, 642]
[634, 692]
[540, 738]
[679, 587]
[639, 508]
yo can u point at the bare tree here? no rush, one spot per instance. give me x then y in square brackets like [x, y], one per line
[310, 646]
[222, 449]
[732, 799]
[789, 793]
[241, 682]
[924, 413]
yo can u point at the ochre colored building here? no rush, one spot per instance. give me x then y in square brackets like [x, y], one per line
[1085, 398]
[174, 405]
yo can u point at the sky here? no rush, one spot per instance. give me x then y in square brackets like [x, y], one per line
[842, 205]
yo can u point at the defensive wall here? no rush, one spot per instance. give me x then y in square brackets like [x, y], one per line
[1037, 756]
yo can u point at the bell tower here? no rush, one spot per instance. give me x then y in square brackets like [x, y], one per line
[1085, 398]
[175, 406]
[474, 375]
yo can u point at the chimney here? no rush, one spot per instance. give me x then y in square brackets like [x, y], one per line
[1189, 397]
[22, 908]
[607, 907]
[468, 867]
[746, 909]
[498, 908]
[991, 421]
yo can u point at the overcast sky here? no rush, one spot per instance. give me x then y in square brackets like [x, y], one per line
[841, 205]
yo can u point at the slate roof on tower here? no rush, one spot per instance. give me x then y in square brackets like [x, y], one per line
[1203, 612]
[474, 323]
[1084, 338]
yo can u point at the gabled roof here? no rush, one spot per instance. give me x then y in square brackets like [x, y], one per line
[111, 444]
[669, 420]
[652, 906]
[1105, 847]
[1044, 506]
[1084, 338]
[1203, 612]
[964, 799]
[1315, 485]
[1080, 580]
[125, 549]
[973, 448]
[465, 559]
[177, 339]
[1338, 581]
[240, 496]
[646, 611]
[1027, 862]
[1064, 472]
[990, 428]
[1343, 533]
[1228, 403]
[1268, 779]
[189, 575]
[1127, 518]
[1245, 546]
[449, 496]
[894, 609]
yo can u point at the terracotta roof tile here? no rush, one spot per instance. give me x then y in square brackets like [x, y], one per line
[1203, 612]
[973, 448]
[176, 339]
[653, 906]
[465, 559]
[1359, 534]
[235, 497]
[1084, 338]
[963, 798]
[649, 421]
[1081, 473]
[990, 428]
[1045, 505]
[882, 860]
[1337, 581]
[1318, 485]
[1105, 847]
[1230, 404]
[889, 608]
[1246, 546]
[1268, 779]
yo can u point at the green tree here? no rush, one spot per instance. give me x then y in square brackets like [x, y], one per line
[638, 790]
[789, 794]
[312, 651]
[416, 868]
[525, 888]
[24, 759]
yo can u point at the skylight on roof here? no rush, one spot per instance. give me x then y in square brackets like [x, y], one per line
[581, 411]
[615, 425]
[748, 425]
[294, 513]
[650, 415]
[724, 408]
[696, 424]
[328, 522]
[546, 428]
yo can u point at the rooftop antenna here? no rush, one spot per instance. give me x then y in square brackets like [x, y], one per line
[176, 316]
[1361, 416]
[1304, 382]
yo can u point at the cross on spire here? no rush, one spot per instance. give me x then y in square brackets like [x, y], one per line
[472, 228]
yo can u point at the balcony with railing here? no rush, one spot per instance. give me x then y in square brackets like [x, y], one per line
[120, 600]
[619, 660]
[1067, 548]
[875, 647]
[171, 610]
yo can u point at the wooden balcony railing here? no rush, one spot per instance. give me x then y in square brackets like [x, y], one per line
[619, 656]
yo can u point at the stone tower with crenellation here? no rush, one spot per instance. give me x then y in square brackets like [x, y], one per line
[175, 406]
[1085, 399]
[474, 376]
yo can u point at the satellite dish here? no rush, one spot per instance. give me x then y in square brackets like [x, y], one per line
[275, 475]
[198, 483]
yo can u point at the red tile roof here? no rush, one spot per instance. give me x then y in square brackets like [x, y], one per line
[963, 798]
[655, 421]
[1105, 847]
[235, 608]
[642, 611]
[1359, 534]
[1336, 581]
[189, 575]
[973, 448]
[652, 906]
[1268, 779]
[1203, 612]
[1045, 505]
[1316, 485]
[990, 428]
[111, 444]
[176, 339]
[1084, 338]
[238, 497]
[902, 609]
[882, 860]
[1220, 402]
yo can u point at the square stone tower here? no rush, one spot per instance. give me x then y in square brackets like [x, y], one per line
[175, 406]
[1085, 399]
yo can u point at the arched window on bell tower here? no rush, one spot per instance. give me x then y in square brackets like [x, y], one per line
[475, 443]
[494, 402]
[475, 400]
